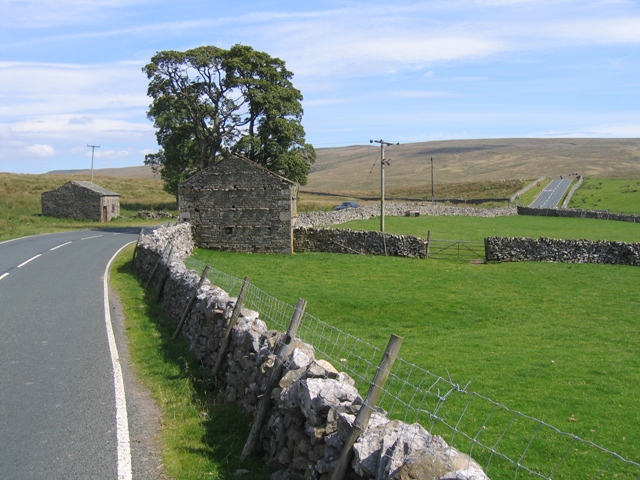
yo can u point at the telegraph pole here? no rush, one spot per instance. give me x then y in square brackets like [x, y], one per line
[432, 197]
[93, 149]
[382, 164]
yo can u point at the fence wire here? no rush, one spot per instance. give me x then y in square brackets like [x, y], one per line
[506, 443]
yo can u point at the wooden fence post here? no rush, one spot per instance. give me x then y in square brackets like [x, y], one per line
[190, 304]
[135, 250]
[428, 241]
[155, 268]
[362, 420]
[163, 279]
[286, 347]
[232, 322]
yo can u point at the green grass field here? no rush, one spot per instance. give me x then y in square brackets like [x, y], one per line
[614, 195]
[557, 342]
[477, 229]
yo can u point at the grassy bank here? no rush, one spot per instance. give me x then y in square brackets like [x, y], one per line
[202, 437]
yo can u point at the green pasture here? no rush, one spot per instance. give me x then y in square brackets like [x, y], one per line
[557, 342]
[477, 229]
[621, 196]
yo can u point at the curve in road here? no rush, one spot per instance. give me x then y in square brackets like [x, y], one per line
[59, 406]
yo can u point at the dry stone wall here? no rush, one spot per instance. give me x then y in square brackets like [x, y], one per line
[313, 407]
[318, 219]
[514, 249]
[361, 242]
[577, 213]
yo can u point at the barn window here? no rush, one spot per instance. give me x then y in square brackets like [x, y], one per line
[228, 230]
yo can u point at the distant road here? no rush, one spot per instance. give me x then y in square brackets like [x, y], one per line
[57, 396]
[551, 196]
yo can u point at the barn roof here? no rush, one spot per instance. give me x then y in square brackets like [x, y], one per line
[96, 188]
[237, 158]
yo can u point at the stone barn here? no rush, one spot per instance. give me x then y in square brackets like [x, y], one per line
[81, 200]
[238, 205]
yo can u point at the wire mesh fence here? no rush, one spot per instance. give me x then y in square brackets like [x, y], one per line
[506, 443]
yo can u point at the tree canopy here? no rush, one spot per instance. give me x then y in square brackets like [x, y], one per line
[209, 103]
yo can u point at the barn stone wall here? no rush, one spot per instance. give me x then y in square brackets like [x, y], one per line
[239, 206]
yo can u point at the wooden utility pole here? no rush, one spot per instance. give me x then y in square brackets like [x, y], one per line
[432, 197]
[93, 149]
[382, 164]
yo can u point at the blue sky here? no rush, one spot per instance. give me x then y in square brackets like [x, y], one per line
[70, 70]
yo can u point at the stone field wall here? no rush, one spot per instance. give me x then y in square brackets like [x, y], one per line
[361, 242]
[319, 219]
[313, 407]
[513, 249]
[577, 213]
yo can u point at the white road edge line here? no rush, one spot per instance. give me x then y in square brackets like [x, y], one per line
[4, 275]
[122, 421]
[55, 248]
[32, 258]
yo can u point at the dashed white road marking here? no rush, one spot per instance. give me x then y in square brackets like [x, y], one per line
[62, 245]
[31, 259]
[4, 275]
[122, 422]
[94, 236]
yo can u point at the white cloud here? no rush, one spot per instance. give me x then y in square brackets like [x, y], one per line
[48, 13]
[622, 130]
[421, 94]
[40, 151]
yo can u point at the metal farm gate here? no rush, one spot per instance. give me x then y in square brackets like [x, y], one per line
[455, 249]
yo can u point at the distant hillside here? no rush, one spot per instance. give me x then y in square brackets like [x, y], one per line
[356, 169]
[125, 172]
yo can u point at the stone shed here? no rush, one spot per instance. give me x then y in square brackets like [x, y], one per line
[81, 200]
[238, 205]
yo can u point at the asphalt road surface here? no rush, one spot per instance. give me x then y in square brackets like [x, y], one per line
[60, 416]
[551, 196]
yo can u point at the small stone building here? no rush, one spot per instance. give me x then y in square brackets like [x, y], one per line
[238, 205]
[81, 200]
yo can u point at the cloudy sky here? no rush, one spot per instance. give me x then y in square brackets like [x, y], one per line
[70, 70]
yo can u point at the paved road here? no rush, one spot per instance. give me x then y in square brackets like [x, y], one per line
[551, 196]
[57, 395]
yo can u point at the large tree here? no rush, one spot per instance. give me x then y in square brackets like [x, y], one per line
[209, 103]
